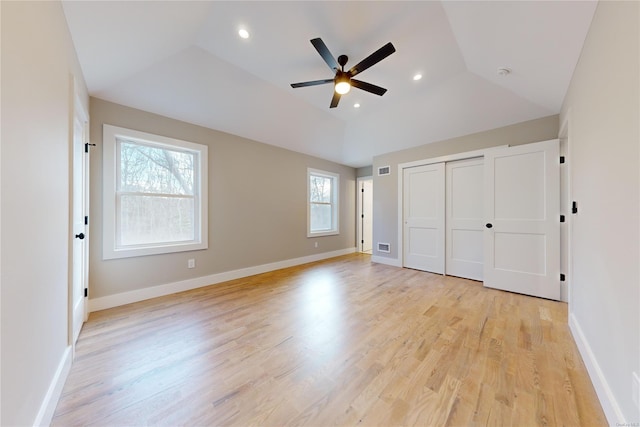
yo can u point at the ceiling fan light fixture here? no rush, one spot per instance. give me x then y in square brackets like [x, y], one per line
[343, 87]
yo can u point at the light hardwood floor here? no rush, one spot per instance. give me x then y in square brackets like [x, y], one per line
[338, 342]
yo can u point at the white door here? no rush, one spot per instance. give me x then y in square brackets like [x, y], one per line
[365, 215]
[79, 209]
[522, 208]
[464, 223]
[423, 211]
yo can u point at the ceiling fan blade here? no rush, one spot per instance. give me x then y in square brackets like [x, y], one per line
[312, 83]
[334, 100]
[372, 59]
[368, 87]
[323, 50]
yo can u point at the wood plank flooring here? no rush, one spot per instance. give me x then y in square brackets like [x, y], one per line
[338, 342]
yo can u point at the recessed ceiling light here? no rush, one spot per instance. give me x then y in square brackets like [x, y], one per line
[417, 76]
[356, 105]
[243, 33]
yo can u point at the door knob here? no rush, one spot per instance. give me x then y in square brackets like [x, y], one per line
[80, 236]
[489, 225]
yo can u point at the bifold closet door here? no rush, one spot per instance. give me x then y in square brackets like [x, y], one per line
[423, 211]
[464, 219]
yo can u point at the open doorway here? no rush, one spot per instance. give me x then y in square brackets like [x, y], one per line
[365, 214]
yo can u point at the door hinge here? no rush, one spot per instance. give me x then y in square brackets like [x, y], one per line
[561, 159]
[574, 207]
[561, 218]
[362, 190]
[362, 241]
[562, 278]
[86, 146]
[86, 220]
[86, 292]
[362, 216]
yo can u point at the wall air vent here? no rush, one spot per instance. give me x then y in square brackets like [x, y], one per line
[384, 247]
[384, 170]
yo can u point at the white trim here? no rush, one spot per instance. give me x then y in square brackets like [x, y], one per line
[335, 202]
[606, 397]
[449, 158]
[441, 159]
[359, 221]
[565, 133]
[394, 262]
[50, 401]
[123, 298]
[109, 169]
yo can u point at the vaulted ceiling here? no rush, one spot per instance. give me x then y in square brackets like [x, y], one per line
[185, 60]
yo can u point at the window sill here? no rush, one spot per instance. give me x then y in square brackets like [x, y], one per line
[323, 233]
[152, 250]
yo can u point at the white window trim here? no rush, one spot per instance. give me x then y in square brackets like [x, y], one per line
[109, 249]
[335, 193]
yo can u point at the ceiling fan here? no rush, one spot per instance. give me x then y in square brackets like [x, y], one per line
[343, 80]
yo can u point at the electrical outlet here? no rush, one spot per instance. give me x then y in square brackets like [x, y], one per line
[635, 390]
[191, 263]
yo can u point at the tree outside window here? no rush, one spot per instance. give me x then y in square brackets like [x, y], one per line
[323, 203]
[155, 194]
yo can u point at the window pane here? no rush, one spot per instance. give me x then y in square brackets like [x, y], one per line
[320, 189]
[148, 219]
[321, 217]
[149, 169]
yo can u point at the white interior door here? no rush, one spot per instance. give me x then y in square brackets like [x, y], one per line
[522, 208]
[423, 210]
[464, 222]
[79, 209]
[365, 215]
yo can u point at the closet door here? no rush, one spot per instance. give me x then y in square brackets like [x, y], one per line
[423, 210]
[522, 209]
[464, 220]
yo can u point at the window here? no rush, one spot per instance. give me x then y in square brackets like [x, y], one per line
[155, 194]
[322, 211]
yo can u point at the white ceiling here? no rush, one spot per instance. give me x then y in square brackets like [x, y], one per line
[185, 60]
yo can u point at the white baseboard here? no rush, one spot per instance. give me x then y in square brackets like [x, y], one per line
[123, 298]
[388, 261]
[50, 401]
[608, 401]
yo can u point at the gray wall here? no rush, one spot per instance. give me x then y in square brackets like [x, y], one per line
[602, 113]
[364, 171]
[38, 65]
[257, 206]
[385, 188]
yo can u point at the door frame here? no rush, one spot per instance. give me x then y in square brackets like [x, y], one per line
[565, 247]
[359, 212]
[441, 159]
